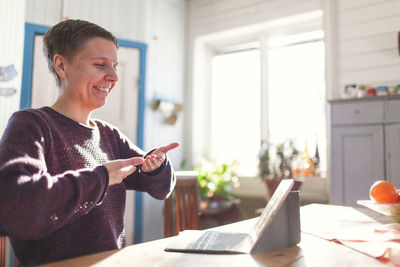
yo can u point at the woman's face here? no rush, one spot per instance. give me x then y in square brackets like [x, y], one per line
[90, 74]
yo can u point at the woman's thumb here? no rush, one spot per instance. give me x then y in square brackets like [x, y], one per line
[129, 165]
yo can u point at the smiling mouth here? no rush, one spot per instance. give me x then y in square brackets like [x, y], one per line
[103, 89]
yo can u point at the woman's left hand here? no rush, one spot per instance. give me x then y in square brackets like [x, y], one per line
[157, 157]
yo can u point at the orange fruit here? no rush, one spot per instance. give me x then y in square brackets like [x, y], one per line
[384, 192]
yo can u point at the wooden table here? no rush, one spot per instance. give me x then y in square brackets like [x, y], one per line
[311, 251]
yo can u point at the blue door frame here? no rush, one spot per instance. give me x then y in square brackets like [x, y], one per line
[31, 30]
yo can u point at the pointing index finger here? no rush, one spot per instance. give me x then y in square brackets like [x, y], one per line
[169, 147]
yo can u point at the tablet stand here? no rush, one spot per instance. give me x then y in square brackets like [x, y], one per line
[284, 229]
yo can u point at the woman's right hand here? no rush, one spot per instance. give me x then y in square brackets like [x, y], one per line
[119, 169]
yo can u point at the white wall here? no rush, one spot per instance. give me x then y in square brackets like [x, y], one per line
[12, 17]
[366, 42]
[124, 18]
[165, 77]
[361, 34]
[11, 52]
[210, 16]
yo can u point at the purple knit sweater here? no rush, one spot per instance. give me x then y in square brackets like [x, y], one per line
[55, 202]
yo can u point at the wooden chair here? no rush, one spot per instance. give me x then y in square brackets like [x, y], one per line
[181, 211]
[2, 251]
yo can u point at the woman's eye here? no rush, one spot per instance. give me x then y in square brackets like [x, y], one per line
[100, 65]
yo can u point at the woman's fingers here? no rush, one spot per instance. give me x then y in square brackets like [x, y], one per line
[127, 170]
[119, 169]
[129, 166]
[169, 147]
[155, 159]
[136, 160]
[152, 162]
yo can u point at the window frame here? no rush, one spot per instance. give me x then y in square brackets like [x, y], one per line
[204, 49]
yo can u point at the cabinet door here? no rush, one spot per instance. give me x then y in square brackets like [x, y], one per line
[393, 153]
[357, 161]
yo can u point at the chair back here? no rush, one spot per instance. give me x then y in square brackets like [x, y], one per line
[2, 251]
[181, 210]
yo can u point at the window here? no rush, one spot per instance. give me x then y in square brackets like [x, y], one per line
[294, 96]
[296, 90]
[235, 119]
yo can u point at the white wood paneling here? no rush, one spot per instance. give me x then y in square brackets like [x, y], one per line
[12, 18]
[346, 4]
[372, 60]
[367, 42]
[118, 16]
[124, 18]
[374, 77]
[215, 16]
[45, 12]
[369, 28]
[368, 13]
[166, 59]
[331, 51]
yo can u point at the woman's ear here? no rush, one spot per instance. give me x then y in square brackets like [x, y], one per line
[59, 65]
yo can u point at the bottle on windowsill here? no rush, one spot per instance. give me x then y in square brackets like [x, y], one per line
[316, 161]
[306, 164]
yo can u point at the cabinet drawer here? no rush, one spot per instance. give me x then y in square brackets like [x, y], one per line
[393, 110]
[359, 112]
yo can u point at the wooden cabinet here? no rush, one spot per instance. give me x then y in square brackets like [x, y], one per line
[365, 146]
[392, 137]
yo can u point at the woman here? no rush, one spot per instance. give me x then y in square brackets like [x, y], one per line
[63, 175]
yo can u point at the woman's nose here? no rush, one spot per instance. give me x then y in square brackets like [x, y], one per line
[112, 75]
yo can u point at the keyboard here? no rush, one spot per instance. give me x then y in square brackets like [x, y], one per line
[219, 241]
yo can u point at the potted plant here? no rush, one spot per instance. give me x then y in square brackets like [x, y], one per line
[216, 182]
[275, 164]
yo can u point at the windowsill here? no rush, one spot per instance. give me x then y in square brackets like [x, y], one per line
[251, 187]
[313, 189]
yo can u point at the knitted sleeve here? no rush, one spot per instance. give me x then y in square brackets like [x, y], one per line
[34, 203]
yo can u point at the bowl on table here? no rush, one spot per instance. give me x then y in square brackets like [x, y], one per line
[388, 209]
